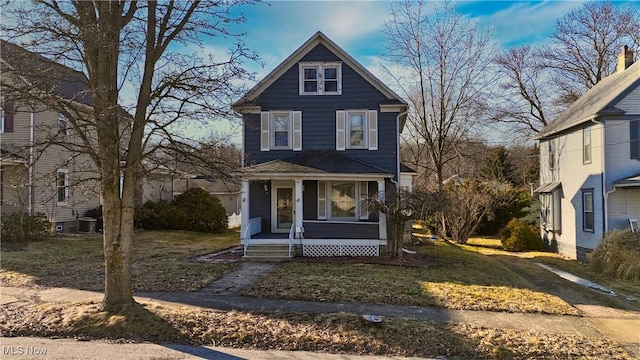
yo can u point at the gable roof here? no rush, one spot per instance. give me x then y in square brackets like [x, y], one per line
[45, 74]
[293, 59]
[599, 100]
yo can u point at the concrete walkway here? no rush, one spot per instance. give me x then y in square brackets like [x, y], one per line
[223, 295]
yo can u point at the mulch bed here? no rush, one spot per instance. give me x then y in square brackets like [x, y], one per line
[405, 260]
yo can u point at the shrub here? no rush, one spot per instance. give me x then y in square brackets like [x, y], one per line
[205, 212]
[20, 227]
[96, 213]
[519, 236]
[159, 215]
[516, 202]
[618, 255]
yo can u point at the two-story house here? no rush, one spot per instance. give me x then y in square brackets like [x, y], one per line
[321, 137]
[590, 163]
[38, 171]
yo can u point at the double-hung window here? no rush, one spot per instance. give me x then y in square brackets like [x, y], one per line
[356, 129]
[62, 186]
[586, 145]
[281, 130]
[62, 124]
[343, 200]
[587, 210]
[317, 78]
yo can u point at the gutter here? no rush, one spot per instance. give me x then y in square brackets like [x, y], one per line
[397, 181]
[31, 164]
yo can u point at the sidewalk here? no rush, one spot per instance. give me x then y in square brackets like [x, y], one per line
[222, 295]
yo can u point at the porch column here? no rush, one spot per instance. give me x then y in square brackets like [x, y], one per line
[382, 218]
[244, 208]
[298, 207]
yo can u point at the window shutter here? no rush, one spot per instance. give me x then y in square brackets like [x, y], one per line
[8, 116]
[340, 130]
[264, 131]
[297, 130]
[364, 200]
[322, 200]
[373, 130]
[634, 142]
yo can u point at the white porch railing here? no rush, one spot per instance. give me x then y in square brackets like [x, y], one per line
[254, 227]
[291, 236]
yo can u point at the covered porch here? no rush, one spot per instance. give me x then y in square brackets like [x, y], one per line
[313, 210]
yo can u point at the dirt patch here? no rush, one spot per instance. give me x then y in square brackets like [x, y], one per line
[405, 260]
[226, 256]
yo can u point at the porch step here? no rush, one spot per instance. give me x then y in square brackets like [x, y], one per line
[267, 253]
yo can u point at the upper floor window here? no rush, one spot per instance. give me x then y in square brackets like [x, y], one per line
[62, 124]
[62, 186]
[356, 129]
[552, 157]
[320, 78]
[6, 116]
[586, 145]
[634, 139]
[281, 130]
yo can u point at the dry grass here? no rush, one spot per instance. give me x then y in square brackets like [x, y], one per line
[328, 333]
[453, 278]
[162, 261]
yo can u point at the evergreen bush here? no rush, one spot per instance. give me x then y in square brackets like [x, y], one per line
[618, 255]
[96, 213]
[21, 227]
[205, 212]
[519, 236]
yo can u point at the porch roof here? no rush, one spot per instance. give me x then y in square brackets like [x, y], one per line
[631, 181]
[9, 158]
[315, 163]
[547, 188]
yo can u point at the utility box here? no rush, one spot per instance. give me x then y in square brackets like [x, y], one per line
[87, 225]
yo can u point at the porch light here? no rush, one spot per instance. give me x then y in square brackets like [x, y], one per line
[266, 188]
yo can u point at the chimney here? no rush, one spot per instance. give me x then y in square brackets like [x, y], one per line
[625, 59]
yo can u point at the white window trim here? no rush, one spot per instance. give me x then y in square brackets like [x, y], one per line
[320, 66]
[365, 130]
[66, 186]
[272, 130]
[1, 115]
[585, 212]
[586, 159]
[63, 120]
[324, 197]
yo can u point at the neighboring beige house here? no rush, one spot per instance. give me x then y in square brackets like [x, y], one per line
[165, 185]
[34, 178]
[590, 163]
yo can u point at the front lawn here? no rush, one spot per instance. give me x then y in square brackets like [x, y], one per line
[452, 278]
[162, 261]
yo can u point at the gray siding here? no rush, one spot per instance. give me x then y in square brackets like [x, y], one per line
[260, 204]
[318, 116]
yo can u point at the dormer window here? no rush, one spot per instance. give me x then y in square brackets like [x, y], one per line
[320, 78]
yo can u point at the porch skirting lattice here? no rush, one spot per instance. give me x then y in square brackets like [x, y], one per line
[340, 250]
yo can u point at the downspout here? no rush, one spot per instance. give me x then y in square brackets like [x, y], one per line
[397, 181]
[31, 139]
[605, 193]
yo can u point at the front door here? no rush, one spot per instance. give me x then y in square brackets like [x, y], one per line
[283, 218]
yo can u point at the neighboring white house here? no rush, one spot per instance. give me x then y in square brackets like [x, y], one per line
[590, 163]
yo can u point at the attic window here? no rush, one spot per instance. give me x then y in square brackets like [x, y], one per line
[320, 78]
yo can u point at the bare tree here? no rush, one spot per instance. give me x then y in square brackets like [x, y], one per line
[443, 59]
[585, 44]
[527, 97]
[153, 50]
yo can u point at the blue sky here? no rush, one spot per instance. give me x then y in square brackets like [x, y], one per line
[277, 28]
